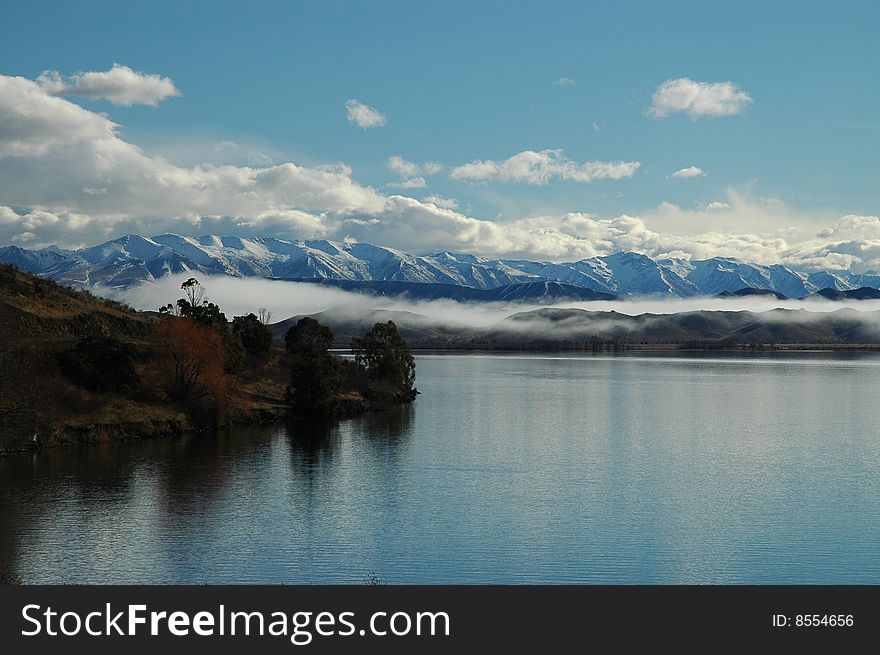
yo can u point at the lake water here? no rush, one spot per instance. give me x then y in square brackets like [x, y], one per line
[510, 469]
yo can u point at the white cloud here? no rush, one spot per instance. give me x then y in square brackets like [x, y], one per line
[564, 82]
[409, 183]
[690, 171]
[596, 127]
[67, 177]
[411, 174]
[259, 159]
[532, 167]
[363, 115]
[443, 203]
[402, 167]
[52, 149]
[698, 99]
[120, 85]
[431, 168]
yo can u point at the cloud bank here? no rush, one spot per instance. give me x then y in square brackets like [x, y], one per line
[67, 177]
[530, 167]
[238, 296]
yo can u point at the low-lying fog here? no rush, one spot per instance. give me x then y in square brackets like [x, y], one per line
[238, 296]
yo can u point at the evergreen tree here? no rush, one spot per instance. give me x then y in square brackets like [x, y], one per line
[387, 358]
[314, 372]
[255, 337]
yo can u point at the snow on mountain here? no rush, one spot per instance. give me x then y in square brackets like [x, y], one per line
[826, 280]
[725, 274]
[33, 261]
[586, 273]
[867, 279]
[634, 274]
[133, 259]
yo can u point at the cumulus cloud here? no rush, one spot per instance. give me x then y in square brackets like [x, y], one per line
[68, 178]
[58, 157]
[530, 167]
[690, 171]
[564, 82]
[120, 85]
[402, 167]
[363, 115]
[443, 203]
[411, 174]
[698, 99]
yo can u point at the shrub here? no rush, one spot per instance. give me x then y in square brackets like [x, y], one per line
[192, 362]
[101, 364]
[255, 337]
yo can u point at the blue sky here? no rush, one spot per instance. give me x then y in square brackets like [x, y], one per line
[465, 81]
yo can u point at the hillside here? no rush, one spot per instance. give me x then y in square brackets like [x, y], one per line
[700, 329]
[31, 307]
[47, 399]
[552, 328]
[79, 369]
[420, 331]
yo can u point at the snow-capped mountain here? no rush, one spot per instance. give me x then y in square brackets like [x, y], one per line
[133, 259]
[720, 274]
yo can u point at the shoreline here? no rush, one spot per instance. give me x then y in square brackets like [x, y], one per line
[659, 347]
[178, 424]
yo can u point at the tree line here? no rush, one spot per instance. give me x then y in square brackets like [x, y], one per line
[201, 351]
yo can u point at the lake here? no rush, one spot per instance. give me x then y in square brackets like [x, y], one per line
[507, 469]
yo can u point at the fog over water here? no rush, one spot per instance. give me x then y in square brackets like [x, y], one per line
[284, 299]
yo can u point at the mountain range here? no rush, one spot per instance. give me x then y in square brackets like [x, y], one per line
[135, 259]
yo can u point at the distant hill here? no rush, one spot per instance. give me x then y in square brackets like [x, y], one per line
[862, 293]
[750, 292]
[419, 330]
[531, 292]
[702, 329]
[578, 328]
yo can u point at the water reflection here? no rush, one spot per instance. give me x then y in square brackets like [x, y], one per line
[507, 469]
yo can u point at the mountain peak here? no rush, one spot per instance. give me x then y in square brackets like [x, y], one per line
[133, 259]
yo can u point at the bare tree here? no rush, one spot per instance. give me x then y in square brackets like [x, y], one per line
[195, 292]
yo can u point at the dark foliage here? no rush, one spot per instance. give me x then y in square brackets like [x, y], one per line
[308, 335]
[101, 364]
[387, 358]
[255, 337]
[197, 308]
[314, 372]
